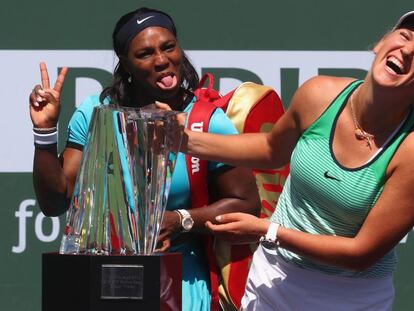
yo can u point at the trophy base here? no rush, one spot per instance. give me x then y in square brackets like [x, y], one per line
[107, 283]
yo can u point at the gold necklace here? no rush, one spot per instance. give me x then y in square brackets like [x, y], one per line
[360, 134]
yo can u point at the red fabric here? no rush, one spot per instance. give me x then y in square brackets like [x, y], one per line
[239, 269]
[197, 169]
[267, 110]
[115, 241]
[199, 119]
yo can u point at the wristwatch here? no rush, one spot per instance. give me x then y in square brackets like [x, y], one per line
[187, 221]
[270, 239]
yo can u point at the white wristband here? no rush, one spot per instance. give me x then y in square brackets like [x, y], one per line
[45, 139]
[270, 239]
[271, 234]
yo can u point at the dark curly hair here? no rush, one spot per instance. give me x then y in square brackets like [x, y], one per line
[120, 89]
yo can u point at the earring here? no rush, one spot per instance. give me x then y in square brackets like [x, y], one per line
[129, 79]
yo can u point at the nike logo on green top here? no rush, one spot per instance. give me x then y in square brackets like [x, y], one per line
[329, 176]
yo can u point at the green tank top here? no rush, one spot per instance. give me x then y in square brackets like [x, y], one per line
[321, 196]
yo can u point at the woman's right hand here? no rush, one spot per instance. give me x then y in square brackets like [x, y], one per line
[45, 101]
[239, 228]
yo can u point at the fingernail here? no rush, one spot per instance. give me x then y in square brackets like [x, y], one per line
[39, 99]
[41, 91]
[218, 218]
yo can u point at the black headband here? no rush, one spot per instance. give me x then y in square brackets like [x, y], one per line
[407, 20]
[138, 23]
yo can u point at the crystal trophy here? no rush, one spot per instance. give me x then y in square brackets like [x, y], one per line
[106, 260]
[123, 183]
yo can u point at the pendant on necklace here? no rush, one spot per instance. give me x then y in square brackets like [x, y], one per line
[360, 134]
[369, 142]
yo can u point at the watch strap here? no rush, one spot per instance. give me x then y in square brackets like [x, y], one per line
[179, 215]
[271, 234]
[183, 212]
[270, 239]
[185, 216]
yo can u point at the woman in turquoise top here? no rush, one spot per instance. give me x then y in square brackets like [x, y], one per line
[152, 67]
[348, 200]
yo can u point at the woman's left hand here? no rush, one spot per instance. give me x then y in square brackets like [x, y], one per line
[162, 106]
[176, 130]
[163, 246]
[170, 226]
[180, 117]
[239, 228]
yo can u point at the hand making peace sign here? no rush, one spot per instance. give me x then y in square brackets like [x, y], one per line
[45, 101]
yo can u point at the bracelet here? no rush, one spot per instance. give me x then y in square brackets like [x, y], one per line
[179, 215]
[270, 239]
[44, 130]
[46, 147]
[187, 222]
[45, 139]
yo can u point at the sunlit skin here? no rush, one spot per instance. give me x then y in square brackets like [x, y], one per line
[392, 75]
[393, 66]
[381, 102]
[154, 61]
[45, 99]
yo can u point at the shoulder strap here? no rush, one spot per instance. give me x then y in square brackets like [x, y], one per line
[198, 121]
[209, 94]
[208, 100]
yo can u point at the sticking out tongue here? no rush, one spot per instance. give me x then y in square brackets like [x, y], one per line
[167, 82]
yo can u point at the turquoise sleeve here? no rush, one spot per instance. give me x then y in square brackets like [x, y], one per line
[220, 124]
[79, 123]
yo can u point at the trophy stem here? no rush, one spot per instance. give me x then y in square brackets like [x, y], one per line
[121, 191]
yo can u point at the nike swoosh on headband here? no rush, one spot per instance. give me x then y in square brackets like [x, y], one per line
[139, 22]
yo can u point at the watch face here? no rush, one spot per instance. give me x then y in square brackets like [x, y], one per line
[187, 223]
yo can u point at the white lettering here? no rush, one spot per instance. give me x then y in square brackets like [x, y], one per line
[22, 214]
[197, 126]
[39, 228]
[195, 162]
[19, 157]
[195, 165]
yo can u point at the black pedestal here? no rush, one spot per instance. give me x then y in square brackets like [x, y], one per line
[108, 283]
